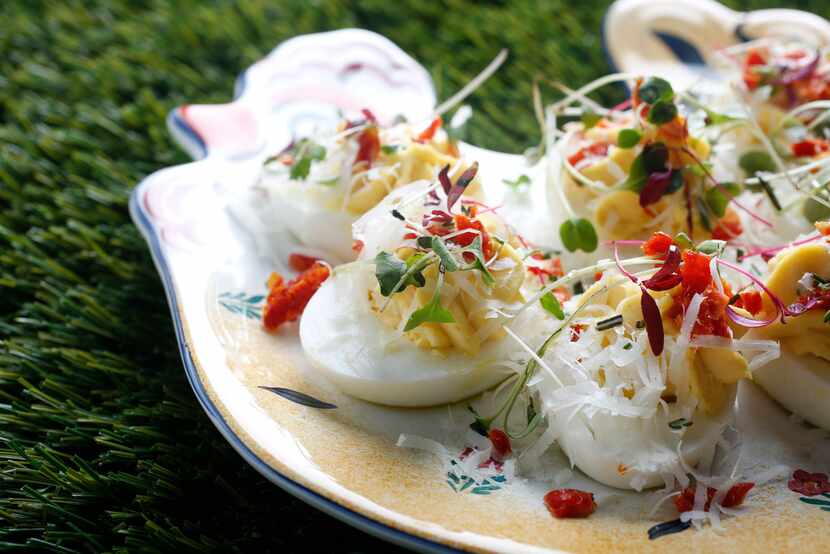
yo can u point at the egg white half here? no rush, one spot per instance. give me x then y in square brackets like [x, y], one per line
[347, 342]
[635, 453]
[801, 384]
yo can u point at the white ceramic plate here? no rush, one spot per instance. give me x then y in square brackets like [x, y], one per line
[345, 461]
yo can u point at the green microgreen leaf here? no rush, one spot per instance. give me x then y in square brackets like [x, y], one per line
[717, 198]
[390, 149]
[432, 312]
[711, 247]
[578, 234]
[590, 119]
[440, 248]
[521, 181]
[637, 175]
[683, 241]
[628, 138]
[551, 304]
[662, 112]
[394, 275]
[680, 423]
[703, 210]
[478, 263]
[655, 90]
[756, 160]
[305, 152]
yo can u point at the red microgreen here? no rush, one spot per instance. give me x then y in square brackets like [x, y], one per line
[654, 321]
[723, 190]
[444, 179]
[460, 185]
[799, 74]
[667, 276]
[656, 186]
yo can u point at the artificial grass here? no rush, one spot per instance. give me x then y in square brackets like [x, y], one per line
[103, 447]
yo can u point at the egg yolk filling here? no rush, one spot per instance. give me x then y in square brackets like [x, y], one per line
[472, 302]
[800, 276]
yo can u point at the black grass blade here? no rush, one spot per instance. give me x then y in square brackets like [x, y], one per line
[668, 528]
[300, 398]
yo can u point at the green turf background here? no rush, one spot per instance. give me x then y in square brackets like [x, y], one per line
[102, 444]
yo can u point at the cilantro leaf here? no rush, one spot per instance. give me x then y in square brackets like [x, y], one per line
[551, 304]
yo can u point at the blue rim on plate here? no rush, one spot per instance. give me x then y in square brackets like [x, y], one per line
[305, 494]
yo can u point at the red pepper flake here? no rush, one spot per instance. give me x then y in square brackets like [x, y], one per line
[368, 146]
[501, 444]
[286, 301]
[823, 227]
[657, 245]
[300, 262]
[562, 294]
[735, 496]
[809, 484]
[568, 503]
[809, 148]
[429, 133]
[576, 331]
[597, 276]
[357, 246]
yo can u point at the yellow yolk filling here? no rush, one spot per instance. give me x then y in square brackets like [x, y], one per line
[465, 300]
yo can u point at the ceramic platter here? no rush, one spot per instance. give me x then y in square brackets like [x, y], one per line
[214, 262]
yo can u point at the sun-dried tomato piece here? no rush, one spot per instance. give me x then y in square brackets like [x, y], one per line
[463, 222]
[735, 496]
[728, 227]
[750, 301]
[576, 331]
[695, 271]
[566, 503]
[286, 301]
[809, 484]
[596, 150]
[809, 148]
[501, 444]
[657, 245]
[368, 146]
[429, 133]
[300, 262]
